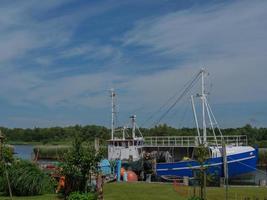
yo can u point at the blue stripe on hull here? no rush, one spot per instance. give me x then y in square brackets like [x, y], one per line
[237, 164]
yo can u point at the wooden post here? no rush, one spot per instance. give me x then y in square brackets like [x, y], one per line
[97, 145]
[225, 164]
[100, 186]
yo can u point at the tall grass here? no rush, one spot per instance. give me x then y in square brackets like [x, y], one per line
[55, 152]
[26, 179]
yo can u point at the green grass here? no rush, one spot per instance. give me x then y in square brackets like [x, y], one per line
[132, 191]
[143, 191]
[42, 197]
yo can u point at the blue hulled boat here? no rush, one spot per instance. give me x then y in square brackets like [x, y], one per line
[236, 155]
[240, 160]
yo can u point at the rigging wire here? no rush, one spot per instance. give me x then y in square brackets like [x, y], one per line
[186, 90]
[168, 100]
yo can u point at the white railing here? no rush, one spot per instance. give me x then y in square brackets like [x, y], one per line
[192, 141]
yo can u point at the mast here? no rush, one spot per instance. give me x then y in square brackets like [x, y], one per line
[112, 94]
[203, 99]
[195, 117]
[133, 117]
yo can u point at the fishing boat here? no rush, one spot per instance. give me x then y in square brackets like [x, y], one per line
[227, 154]
[177, 153]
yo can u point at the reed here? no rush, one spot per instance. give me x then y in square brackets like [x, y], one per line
[262, 157]
[54, 152]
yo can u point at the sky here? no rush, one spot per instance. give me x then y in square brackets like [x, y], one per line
[59, 58]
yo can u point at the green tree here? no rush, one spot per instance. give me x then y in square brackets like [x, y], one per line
[201, 155]
[79, 164]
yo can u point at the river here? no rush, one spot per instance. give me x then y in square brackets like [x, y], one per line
[23, 151]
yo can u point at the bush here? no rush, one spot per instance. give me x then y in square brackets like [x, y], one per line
[82, 196]
[26, 179]
[195, 198]
[7, 158]
[78, 166]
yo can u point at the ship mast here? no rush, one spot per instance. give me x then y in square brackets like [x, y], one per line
[113, 107]
[203, 99]
[133, 118]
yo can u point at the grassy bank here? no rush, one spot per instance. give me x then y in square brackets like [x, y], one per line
[43, 197]
[144, 191]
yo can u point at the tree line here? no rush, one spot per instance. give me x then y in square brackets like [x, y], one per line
[256, 136]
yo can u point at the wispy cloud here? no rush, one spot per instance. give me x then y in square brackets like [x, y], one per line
[229, 39]
[51, 57]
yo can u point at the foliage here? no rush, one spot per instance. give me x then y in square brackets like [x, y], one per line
[52, 135]
[55, 134]
[26, 179]
[6, 159]
[79, 163]
[201, 154]
[194, 198]
[8, 154]
[82, 196]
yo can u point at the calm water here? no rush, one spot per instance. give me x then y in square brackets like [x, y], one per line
[23, 151]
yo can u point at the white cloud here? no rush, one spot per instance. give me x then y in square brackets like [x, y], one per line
[229, 39]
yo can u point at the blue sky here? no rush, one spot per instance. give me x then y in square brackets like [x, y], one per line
[59, 58]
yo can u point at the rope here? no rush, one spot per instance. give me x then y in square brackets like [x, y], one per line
[187, 89]
[168, 100]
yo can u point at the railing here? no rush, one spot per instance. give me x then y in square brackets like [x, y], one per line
[192, 141]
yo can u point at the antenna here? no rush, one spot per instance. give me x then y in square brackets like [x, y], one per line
[133, 118]
[113, 111]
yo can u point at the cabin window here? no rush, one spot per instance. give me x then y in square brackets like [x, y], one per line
[125, 144]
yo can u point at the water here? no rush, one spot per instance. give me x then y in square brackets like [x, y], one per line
[23, 151]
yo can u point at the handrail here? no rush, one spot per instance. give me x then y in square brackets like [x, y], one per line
[192, 141]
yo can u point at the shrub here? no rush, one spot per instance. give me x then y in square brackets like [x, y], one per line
[7, 158]
[78, 166]
[82, 196]
[26, 179]
[195, 198]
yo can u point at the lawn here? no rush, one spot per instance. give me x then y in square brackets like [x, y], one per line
[43, 197]
[144, 191]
